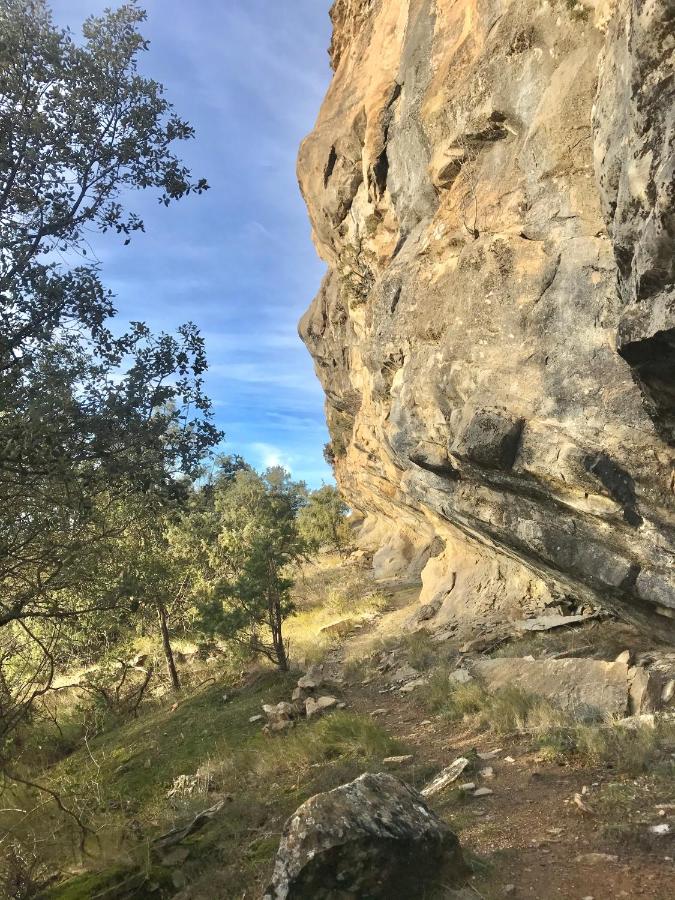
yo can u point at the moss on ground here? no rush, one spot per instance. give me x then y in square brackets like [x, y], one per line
[116, 883]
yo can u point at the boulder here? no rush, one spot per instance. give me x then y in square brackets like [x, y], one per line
[373, 838]
[312, 680]
[316, 707]
[404, 673]
[338, 629]
[588, 688]
[411, 686]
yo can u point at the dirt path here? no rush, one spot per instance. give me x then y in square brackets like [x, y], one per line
[535, 841]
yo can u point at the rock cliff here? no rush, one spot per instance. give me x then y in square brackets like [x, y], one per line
[491, 185]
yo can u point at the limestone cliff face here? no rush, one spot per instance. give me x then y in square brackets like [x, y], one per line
[491, 185]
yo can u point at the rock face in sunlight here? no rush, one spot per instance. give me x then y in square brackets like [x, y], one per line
[491, 185]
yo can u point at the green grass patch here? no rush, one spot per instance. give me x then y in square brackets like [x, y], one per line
[451, 700]
[119, 784]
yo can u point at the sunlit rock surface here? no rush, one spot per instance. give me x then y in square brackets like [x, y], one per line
[491, 185]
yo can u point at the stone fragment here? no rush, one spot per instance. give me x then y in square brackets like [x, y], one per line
[404, 673]
[592, 859]
[488, 754]
[668, 691]
[397, 760]
[378, 712]
[548, 623]
[447, 776]
[460, 676]
[662, 828]
[624, 657]
[487, 772]
[338, 629]
[581, 804]
[483, 644]
[279, 712]
[588, 688]
[255, 719]
[312, 680]
[467, 786]
[374, 837]
[413, 685]
[317, 707]
[483, 792]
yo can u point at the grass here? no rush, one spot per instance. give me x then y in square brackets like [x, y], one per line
[547, 643]
[614, 746]
[119, 781]
[328, 595]
[621, 805]
[452, 701]
[557, 734]
[419, 650]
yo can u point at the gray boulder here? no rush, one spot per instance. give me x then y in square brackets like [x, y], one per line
[588, 688]
[372, 838]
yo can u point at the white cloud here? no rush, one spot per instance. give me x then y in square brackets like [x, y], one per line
[267, 456]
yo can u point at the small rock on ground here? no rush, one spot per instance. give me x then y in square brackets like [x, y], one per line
[397, 760]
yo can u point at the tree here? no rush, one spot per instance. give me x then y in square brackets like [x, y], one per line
[78, 126]
[244, 592]
[322, 521]
[93, 419]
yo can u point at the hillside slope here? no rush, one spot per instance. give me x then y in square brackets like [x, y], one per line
[188, 800]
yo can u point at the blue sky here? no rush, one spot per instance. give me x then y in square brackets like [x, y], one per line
[250, 76]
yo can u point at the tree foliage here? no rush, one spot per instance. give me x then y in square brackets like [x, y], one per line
[99, 427]
[323, 521]
[78, 126]
[244, 544]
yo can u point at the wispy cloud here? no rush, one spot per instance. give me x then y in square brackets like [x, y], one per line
[268, 456]
[238, 260]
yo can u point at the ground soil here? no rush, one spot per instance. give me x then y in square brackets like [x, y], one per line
[534, 840]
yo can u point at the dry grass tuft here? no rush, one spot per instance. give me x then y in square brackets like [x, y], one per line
[340, 596]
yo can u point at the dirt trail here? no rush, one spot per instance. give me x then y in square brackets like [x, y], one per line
[535, 840]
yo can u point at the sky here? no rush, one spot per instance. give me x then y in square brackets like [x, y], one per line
[249, 75]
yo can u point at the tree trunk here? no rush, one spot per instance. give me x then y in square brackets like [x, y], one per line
[277, 636]
[275, 620]
[166, 644]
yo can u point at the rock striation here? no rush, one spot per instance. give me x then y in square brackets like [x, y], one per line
[491, 185]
